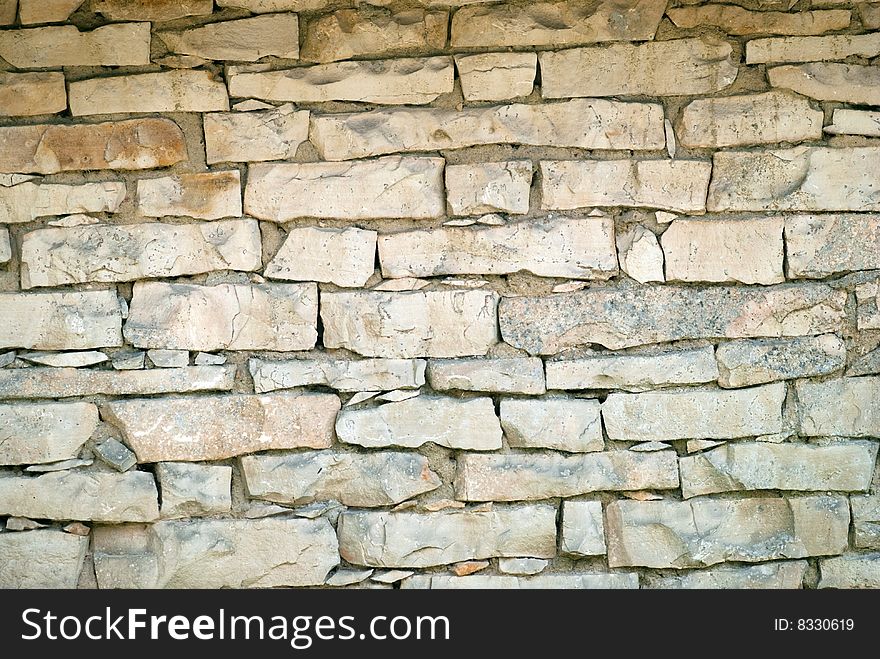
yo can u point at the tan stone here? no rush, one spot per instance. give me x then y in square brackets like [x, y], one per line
[190, 490]
[665, 68]
[342, 375]
[44, 432]
[523, 375]
[781, 574]
[582, 531]
[851, 570]
[411, 324]
[587, 124]
[675, 185]
[206, 195]
[561, 424]
[824, 81]
[8, 10]
[169, 91]
[870, 15]
[131, 144]
[127, 44]
[245, 40]
[28, 94]
[866, 520]
[255, 136]
[639, 254]
[45, 558]
[489, 187]
[344, 257]
[111, 253]
[151, 10]
[854, 122]
[390, 187]
[846, 407]
[781, 50]
[405, 81]
[220, 427]
[746, 362]
[739, 21]
[46, 11]
[496, 76]
[27, 201]
[278, 317]
[267, 6]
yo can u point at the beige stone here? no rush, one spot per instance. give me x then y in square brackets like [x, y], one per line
[850, 571]
[278, 317]
[555, 24]
[255, 136]
[782, 50]
[640, 255]
[392, 187]
[344, 257]
[870, 15]
[5, 246]
[190, 490]
[220, 427]
[206, 195]
[496, 76]
[8, 11]
[267, 6]
[846, 407]
[582, 531]
[665, 68]
[781, 574]
[866, 520]
[739, 21]
[28, 201]
[411, 324]
[582, 123]
[747, 362]
[46, 11]
[404, 81]
[461, 424]
[245, 40]
[44, 432]
[854, 122]
[575, 581]
[28, 94]
[675, 185]
[151, 10]
[823, 245]
[342, 375]
[131, 144]
[477, 189]
[561, 424]
[524, 375]
[127, 44]
[868, 305]
[45, 558]
[111, 253]
[581, 248]
[528, 476]
[824, 81]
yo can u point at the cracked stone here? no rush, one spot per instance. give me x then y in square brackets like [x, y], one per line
[561, 424]
[342, 375]
[32, 433]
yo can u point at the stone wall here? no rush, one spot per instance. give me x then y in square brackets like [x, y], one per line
[439, 293]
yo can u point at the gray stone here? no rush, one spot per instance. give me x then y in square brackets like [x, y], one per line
[65, 359]
[846, 407]
[190, 490]
[747, 362]
[27, 201]
[866, 520]
[778, 575]
[576, 581]
[339, 374]
[162, 358]
[522, 566]
[561, 424]
[255, 136]
[32, 433]
[116, 454]
[819, 246]
[41, 559]
[128, 360]
[850, 571]
[868, 304]
[583, 531]
[207, 359]
[510, 375]
[22, 524]
[64, 465]
[344, 257]
[5, 246]
[343, 577]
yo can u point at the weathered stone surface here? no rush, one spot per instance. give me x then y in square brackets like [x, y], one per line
[223, 317]
[28, 94]
[54, 47]
[846, 407]
[748, 251]
[8, 10]
[461, 424]
[523, 375]
[868, 305]
[194, 489]
[562, 424]
[850, 571]
[587, 124]
[44, 558]
[79, 495]
[383, 478]
[245, 40]
[5, 246]
[344, 257]
[152, 10]
[739, 21]
[854, 122]
[339, 374]
[255, 136]
[694, 413]
[633, 372]
[46, 11]
[161, 358]
[28, 201]
[621, 318]
[111, 253]
[684, 534]
[639, 254]
[676, 185]
[848, 83]
[267, 6]
[766, 118]
[390, 187]
[71, 320]
[664, 68]
[811, 49]
[411, 324]
[823, 245]
[600, 581]
[53, 148]
[583, 531]
[45, 432]
[870, 15]
[582, 248]
[220, 427]
[782, 574]
[403, 539]
[496, 76]
[747, 362]
[555, 23]
[206, 195]
[167, 91]
[115, 454]
[405, 81]
[353, 33]
[64, 382]
[523, 566]
[501, 187]
[65, 359]
[232, 553]
[526, 476]
[866, 521]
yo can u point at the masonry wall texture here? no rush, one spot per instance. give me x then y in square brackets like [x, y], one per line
[439, 294]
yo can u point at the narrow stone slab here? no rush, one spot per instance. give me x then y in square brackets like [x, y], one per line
[80, 495]
[684, 534]
[206, 195]
[339, 374]
[403, 539]
[621, 318]
[846, 407]
[152, 10]
[344, 257]
[496, 76]
[576, 581]
[461, 424]
[46, 11]
[739, 21]
[53, 148]
[28, 201]
[583, 531]
[354, 479]
[586, 124]
[113, 253]
[866, 521]
[45, 432]
[528, 476]
[780, 50]
[746, 362]
[562, 424]
[5, 246]
[278, 317]
[267, 6]
[674, 185]
[854, 122]
[392, 187]
[694, 413]
[524, 375]
[54, 47]
[404, 81]
[580, 248]
[501, 187]
[29, 94]
[65, 359]
[190, 490]
[245, 40]
[220, 427]
[778, 575]
[819, 246]
[255, 136]
[850, 571]
[45, 558]
[411, 324]
[829, 82]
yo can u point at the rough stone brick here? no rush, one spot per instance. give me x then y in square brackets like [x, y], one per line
[35, 433]
[746, 362]
[344, 257]
[342, 375]
[255, 136]
[245, 40]
[127, 44]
